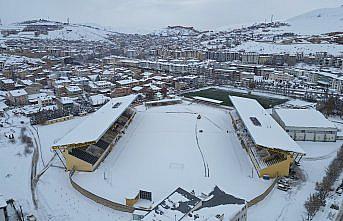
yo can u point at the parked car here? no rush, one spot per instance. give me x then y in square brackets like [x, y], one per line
[284, 182]
[282, 187]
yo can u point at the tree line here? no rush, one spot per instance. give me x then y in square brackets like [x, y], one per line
[323, 188]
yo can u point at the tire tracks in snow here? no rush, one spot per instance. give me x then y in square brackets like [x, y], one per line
[206, 167]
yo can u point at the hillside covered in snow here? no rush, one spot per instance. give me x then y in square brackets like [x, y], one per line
[319, 21]
[45, 29]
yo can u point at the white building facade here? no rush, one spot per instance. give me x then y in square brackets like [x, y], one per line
[306, 125]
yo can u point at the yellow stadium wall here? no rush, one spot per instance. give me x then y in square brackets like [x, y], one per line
[279, 169]
[131, 202]
[76, 164]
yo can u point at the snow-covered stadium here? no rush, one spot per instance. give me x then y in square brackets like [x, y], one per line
[130, 157]
[156, 150]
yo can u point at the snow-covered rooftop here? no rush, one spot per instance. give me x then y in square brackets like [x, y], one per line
[73, 88]
[18, 93]
[7, 81]
[66, 100]
[264, 130]
[97, 124]
[218, 203]
[304, 118]
[98, 99]
[137, 88]
[297, 103]
[174, 207]
[127, 81]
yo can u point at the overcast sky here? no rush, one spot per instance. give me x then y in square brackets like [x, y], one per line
[147, 15]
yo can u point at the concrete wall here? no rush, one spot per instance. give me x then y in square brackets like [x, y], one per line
[263, 195]
[98, 199]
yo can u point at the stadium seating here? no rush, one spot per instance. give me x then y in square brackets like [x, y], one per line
[84, 155]
[95, 150]
[102, 144]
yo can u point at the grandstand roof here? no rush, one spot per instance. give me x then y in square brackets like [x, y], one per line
[94, 127]
[264, 130]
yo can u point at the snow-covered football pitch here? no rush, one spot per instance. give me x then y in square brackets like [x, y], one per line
[171, 146]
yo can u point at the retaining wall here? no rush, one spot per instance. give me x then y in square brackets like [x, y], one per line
[98, 199]
[263, 195]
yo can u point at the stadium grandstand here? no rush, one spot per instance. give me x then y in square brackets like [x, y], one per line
[271, 150]
[90, 142]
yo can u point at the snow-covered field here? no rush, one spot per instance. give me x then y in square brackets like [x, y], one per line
[159, 153]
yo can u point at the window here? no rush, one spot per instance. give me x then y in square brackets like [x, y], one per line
[255, 121]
